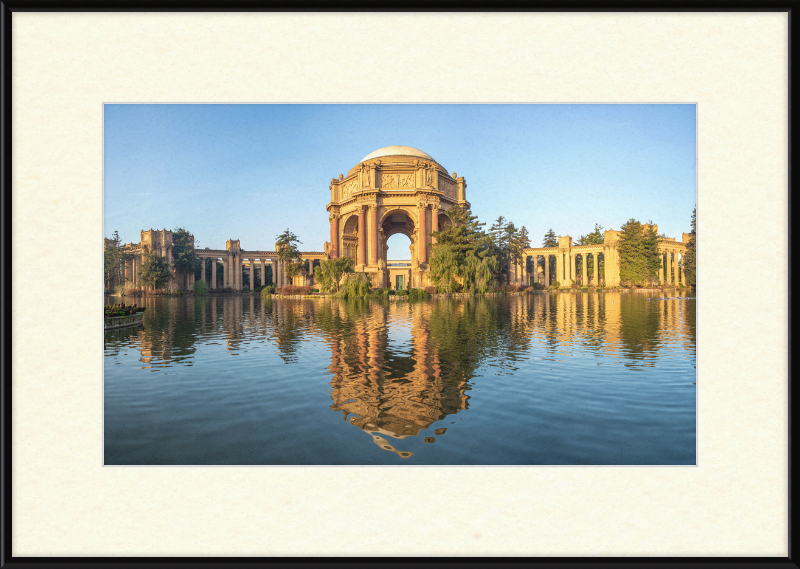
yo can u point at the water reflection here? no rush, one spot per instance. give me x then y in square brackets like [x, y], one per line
[400, 370]
[387, 369]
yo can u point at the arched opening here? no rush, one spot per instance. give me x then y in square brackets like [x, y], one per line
[398, 248]
[350, 239]
[397, 229]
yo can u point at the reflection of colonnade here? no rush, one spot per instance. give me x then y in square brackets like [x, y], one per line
[234, 261]
[571, 262]
[612, 323]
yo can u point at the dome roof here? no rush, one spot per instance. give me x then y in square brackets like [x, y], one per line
[397, 151]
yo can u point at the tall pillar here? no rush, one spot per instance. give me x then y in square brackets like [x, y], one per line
[596, 267]
[252, 274]
[585, 282]
[546, 270]
[570, 273]
[226, 271]
[683, 268]
[560, 267]
[669, 267]
[422, 247]
[213, 273]
[362, 237]
[434, 223]
[661, 268]
[334, 219]
[373, 234]
[203, 270]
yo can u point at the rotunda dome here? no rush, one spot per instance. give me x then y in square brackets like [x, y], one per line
[397, 151]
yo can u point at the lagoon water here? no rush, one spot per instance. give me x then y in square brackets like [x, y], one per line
[592, 378]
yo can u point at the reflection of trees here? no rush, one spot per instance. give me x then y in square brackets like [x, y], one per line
[287, 326]
[639, 327]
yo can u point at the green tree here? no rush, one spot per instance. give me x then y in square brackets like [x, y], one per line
[154, 271]
[329, 273]
[114, 257]
[520, 241]
[690, 258]
[638, 254]
[460, 253]
[550, 239]
[184, 258]
[501, 235]
[289, 253]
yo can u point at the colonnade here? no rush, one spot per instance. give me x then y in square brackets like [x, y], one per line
[671, 259]
[566, 269]
[233, 266]
[571, 266]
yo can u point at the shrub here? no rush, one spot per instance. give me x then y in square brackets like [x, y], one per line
[555, 285]
[430, 289]
[224, 290]
[354, 285]
[290, 290]
[268, 290]
[585, 288]
[121, 309]
[418, 293]
[134, 291]
[200, 288]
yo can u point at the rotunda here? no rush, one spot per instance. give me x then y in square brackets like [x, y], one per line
[395, 189]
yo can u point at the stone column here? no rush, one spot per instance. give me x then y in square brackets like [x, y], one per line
[661, 268]
[361, 257]
[683, 268]
[252, 274]
[203, 270]
[213, 273]
[583, 270]
[434, 223]
[570, 275]
[669, 267]
[546, 270]
[422, 247]
[559, 266]
[373, 234]
[596, 267]
[334, 219]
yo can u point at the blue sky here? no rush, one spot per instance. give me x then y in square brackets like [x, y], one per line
[250, 171]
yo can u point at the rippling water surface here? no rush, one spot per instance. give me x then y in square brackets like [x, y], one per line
[537, 379]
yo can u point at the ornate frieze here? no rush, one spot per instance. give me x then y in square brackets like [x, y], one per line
[448, 187]
[397, 181]
[350, 187]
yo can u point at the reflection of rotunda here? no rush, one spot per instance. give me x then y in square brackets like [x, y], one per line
[396, 189]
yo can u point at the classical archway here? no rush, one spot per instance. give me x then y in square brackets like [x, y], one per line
[396, 189]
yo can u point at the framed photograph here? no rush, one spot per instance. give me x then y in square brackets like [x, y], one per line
[388, 262]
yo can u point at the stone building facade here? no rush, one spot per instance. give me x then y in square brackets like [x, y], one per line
[396, 189]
